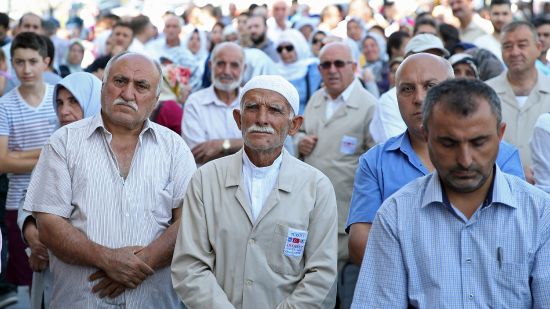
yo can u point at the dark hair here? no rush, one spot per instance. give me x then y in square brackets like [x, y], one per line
[500, 2]
[424, 21]
[4, 20]
[124, 24]
[449, 35]
[99, 63]
[139, 23]
[50, 48]
[450, 93]
[29, 40]
[395, 41]
[541, 21]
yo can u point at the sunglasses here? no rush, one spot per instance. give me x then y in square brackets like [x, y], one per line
[288, 48]
[337, 63]
[316, 40]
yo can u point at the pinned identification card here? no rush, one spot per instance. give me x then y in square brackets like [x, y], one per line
[348, 145]
[295, 243]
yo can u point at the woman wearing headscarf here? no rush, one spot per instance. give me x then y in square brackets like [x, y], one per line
[73, 61]
[197, 43]
[76, 97]
[375, 68]
[297, 65]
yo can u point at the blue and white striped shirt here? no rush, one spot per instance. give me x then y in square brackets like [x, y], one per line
[27, 128]
[424, 253]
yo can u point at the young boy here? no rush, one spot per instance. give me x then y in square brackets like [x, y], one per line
[27, 119]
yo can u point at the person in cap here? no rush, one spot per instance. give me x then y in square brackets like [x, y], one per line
[259, 227]
[387, 121]
[468, 235]
[464, 66]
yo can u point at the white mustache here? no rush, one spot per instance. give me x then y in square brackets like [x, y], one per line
[260, 129]
[131, 104]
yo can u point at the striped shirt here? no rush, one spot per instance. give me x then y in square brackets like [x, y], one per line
[422, 252]
[27, 128]
[77, 178]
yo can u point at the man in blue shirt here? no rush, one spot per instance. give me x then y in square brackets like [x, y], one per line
[387, 167]
[467, 235]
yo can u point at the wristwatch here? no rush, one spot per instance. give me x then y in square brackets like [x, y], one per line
[226, 145]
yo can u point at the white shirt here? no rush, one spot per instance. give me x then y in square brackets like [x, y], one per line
[540, 152]
[273, 30]
[490, 43]
[334, 104]
[522, 99]
[259, 182]
[387, 121]
[205, 118]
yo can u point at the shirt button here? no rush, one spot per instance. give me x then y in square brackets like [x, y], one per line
[252, 241]
[471, 296]
[248, 282]
[468, 260]
[127, 214]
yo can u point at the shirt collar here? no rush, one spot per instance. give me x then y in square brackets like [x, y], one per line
[499, 192]
[344, 95]
[261, 172]
[213, 98]
[97, 122]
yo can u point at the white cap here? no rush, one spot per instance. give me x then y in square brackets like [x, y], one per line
[274, 83]
[423, 42]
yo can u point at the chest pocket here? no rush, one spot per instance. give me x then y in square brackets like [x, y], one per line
[284, 255]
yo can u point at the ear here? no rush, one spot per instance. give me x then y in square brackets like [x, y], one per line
[354, 66]
[295, 125]
[237, 117]
[424, 133]
[47, 61]
[500, 130]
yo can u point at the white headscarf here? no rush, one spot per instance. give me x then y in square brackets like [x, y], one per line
[86, 88]
[297, 69]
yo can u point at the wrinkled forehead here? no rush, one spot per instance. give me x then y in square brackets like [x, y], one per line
[264, 96]
[135, 65]
[415, 71]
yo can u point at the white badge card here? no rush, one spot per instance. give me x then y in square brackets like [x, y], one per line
[295, 242]
[348, 145]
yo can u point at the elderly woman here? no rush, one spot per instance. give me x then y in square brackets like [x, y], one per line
[375, 68]
[297, 65]
[197, 43]
[76, 97]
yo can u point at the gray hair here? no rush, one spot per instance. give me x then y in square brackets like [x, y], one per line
[515, 25]
[461, 96]
[116, 57]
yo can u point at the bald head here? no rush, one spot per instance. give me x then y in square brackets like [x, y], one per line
[233, 48]
[338, 46]
[416, 75]
[132, 56]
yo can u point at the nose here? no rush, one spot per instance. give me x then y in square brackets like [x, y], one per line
[419, 96]
[464, 156]
[127, 92]
[262, 116]
[63, 109]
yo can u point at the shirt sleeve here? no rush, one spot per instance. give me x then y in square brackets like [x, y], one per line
[50, 189]
[509, 161]
[318, 285]
[382, 281]
[540, 279]
[366, 197]
[193, 262]
[387, 121]
[191, 125]
[4, 125]
[540, 152]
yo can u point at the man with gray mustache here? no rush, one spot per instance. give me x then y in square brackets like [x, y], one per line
[259, 227]
[107, 194]
[207, 124]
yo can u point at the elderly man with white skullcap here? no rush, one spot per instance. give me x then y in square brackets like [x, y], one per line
[259, 227]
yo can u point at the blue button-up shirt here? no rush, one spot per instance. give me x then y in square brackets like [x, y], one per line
[425, 253]
[387, 167]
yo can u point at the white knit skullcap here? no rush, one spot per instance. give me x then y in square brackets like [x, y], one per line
[275, 83]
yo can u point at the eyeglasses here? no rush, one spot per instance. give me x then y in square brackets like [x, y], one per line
[288, 48]
[316, 40]
[337, 63]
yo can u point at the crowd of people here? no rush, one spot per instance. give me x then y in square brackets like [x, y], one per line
[274, 158]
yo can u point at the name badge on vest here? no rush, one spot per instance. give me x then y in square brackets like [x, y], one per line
[295, 242]
[348, 145]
